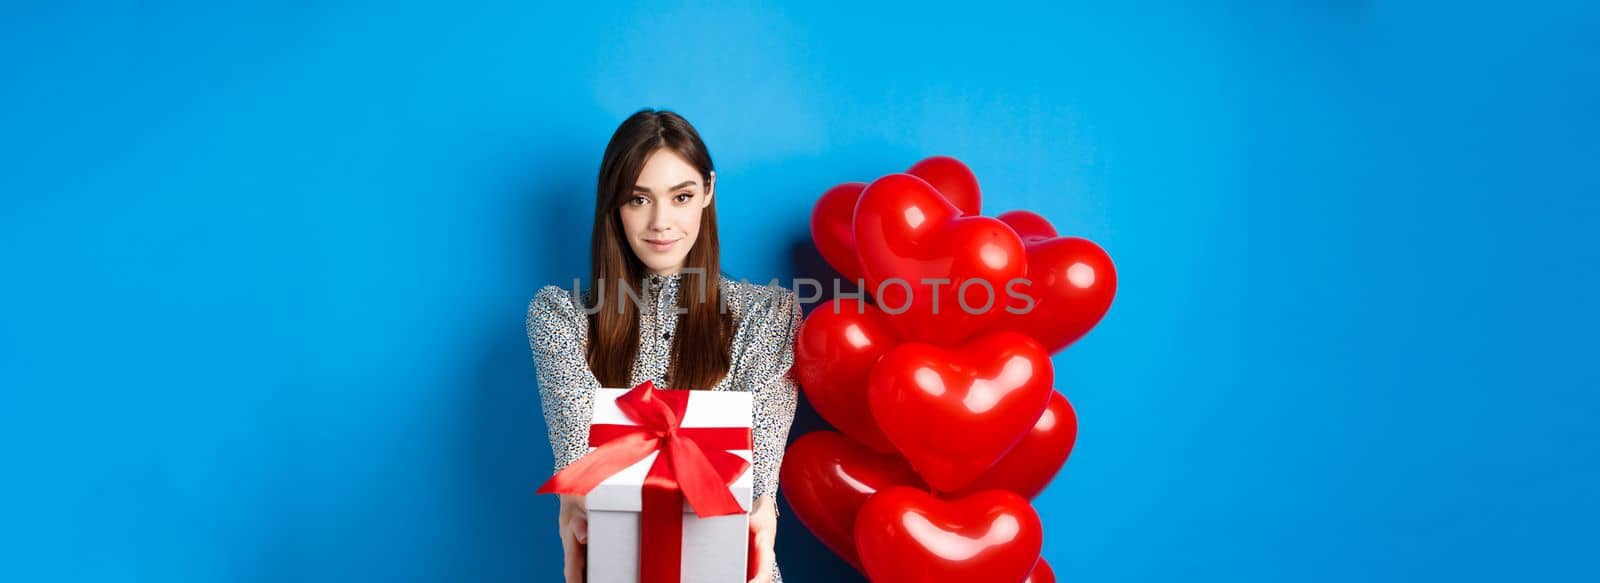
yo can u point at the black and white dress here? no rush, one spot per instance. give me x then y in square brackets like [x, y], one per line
[767, 317]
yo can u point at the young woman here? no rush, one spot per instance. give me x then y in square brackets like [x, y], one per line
[680, 321]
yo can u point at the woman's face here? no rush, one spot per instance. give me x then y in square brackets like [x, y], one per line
[662, 218]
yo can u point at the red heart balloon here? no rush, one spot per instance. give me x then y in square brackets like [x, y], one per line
[1029, 225]
[1071, 282]
[951, 178]
[831, 229]
[1038, 457]
[834, 214]
[905, 535]
[838, 344]
[1042, 573]
[826, 478]
[907, 232]
[953, 413]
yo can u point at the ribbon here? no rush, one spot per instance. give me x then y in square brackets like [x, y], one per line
[694, 464]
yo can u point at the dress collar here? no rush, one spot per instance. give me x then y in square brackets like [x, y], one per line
[658, 278]
[656, 282]
[657, 285]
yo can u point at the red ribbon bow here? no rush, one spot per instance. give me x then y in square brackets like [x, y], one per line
[694, 465]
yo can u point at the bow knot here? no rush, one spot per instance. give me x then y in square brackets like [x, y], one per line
[695, 461]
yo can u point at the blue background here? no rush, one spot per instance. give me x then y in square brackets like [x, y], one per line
[265, 268]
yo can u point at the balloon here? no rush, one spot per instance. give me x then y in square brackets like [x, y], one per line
[833, 217]
[837, 346]
[953, 413]
[1029, 225]
[1072, 282]
[906, 232]
[831, 229]
[1038, 457]
[826, 478]
[1041, 573]
[952, 179]
[905, 535]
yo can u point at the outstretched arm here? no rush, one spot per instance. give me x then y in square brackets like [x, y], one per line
[556, 335]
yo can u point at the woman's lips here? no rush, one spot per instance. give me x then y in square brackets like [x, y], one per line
[660, 246]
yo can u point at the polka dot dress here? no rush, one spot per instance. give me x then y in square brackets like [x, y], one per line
[767, 317]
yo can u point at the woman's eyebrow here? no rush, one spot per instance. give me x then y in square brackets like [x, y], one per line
[642, 188]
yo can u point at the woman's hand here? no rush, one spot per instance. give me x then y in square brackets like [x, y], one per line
[574, 524]
[764, 530]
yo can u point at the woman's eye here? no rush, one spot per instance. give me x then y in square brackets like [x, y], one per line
[637, 200]
[685, 196]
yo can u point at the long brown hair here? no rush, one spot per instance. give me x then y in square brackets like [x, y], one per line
[702, 341]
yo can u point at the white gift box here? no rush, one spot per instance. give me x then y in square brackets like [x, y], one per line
[714, 549]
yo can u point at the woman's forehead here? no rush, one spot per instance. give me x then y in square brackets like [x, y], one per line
[665, 170]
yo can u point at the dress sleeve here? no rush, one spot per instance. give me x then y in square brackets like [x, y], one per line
[556, 335]
[769, 356]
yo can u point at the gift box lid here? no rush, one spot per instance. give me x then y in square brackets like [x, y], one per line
[622, 491]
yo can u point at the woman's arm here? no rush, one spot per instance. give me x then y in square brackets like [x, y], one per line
[770, 357]
[556, 334]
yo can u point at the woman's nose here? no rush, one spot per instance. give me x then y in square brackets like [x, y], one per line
[658, 218]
